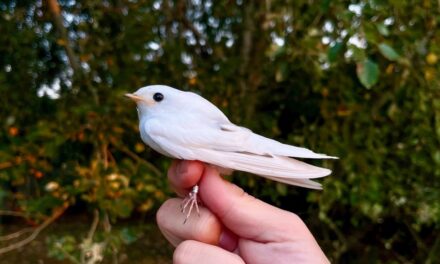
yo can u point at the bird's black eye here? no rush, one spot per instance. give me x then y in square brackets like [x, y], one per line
[158, 97]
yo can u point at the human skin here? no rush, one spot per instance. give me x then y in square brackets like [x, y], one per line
[233, 227]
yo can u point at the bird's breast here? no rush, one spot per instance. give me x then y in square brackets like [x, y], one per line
[149, 141]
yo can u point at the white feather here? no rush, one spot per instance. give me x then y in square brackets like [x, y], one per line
[306, 183]
[186, 126]
[272, 147]
[273, 166]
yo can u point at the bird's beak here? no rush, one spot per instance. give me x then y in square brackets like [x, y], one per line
[138, 99]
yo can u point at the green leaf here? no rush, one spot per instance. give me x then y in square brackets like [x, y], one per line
[62, 247]
[370, 33]
[122, 207]
[334, 51]
[128, 235]
[436, 156]
[358, 53]
[325, 5]
[388, 52]
[383, 30]
[367, 72]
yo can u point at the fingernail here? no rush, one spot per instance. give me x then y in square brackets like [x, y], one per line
[228, 240]
[182, 167]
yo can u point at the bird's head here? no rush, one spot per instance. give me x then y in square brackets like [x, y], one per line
[155, 98]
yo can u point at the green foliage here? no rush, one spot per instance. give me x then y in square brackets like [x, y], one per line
[89, 250]
[368, 73]
[61, 248]
[388, 52]
[349, 79]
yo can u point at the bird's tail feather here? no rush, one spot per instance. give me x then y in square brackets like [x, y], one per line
[306, 183]
[278, 168]
[292, 151]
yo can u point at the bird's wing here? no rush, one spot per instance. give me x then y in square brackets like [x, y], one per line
[224, 136]
[274, 167]
[257, 144]
[196, 133]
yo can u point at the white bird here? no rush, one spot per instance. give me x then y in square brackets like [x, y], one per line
[184, 125]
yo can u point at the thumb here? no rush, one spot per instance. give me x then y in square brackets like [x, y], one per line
[247, 216]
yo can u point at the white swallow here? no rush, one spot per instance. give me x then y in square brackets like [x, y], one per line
[184, 125]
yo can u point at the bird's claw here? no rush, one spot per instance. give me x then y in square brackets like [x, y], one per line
[190, 202]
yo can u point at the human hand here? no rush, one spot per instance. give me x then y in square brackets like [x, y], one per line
[233, 226]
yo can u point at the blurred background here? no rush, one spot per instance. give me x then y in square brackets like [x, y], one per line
[354, 79]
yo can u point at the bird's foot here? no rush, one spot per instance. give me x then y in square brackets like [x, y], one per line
[190, 202]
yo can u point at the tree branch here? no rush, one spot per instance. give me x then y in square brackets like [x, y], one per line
[6, 164]
[87, 244]
[12, 213]
[180, 14]
[94, 225]
[137, 158]
[16, 234]
[246, 47]
[57, 213]
[65, 42]
[11, 163]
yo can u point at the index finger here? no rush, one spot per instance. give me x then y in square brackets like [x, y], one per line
[247, 216]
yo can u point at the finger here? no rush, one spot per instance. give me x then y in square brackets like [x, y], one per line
[247, 216]
[172, 174]
[206, 228]
[299, 251]
[183, 175]
[195, 252]
[228, 240]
